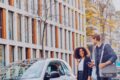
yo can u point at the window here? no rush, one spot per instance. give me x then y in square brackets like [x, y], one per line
[0, 23]
[77, 40]
[18, 4]
[62, 56]
[83, 40]
[11, 51]
[2, 55]
[69, 38]
[26, 5]
[51, 54]
[69, 17]
[79, 4]
[19, 53]
[2, 1]
[10, 24]
[36, 10]
[26, 30]
[39, 32]
[68, 1]
[70, 59]
[33, 6]
[64, 15]
[65, 39]
[41, 54]
[56, 10]
[61, 38]
[75, 3]
[72, 19]
[56, 55]
[34, 53]
[46, 41]
[79, 21]
[82, 23]
[72, 2]
[80, 39]
[46, 54]
[51, 9]
[64, 0]
[19, 32]
[51, 35]
[66, 57]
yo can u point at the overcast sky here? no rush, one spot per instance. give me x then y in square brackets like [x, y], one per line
[117, 4]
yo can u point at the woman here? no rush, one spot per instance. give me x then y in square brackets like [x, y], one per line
[84, 71]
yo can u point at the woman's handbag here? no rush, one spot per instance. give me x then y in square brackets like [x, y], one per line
[108, 71]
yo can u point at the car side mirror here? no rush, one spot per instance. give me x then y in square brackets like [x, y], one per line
[54, 74]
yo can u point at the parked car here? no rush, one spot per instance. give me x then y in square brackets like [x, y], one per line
[46, 69]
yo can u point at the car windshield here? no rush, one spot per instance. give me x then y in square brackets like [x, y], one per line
[17, 70]
[34, 71]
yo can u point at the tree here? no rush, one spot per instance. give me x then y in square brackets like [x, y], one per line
[44, 19]
[103, 19]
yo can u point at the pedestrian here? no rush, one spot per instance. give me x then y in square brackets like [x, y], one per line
[109, 56]
[84, 71]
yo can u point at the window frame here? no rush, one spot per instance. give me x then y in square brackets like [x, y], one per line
[18, 4]
[19, 53]
[10, 25]
[26, 29]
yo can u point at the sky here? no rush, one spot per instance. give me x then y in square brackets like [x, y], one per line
[117, 4]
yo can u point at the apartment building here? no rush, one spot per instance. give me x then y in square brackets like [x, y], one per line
[21, 29]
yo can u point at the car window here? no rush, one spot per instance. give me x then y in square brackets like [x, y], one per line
[66, 69]
[55, 66]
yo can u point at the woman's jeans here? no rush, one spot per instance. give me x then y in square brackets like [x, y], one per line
[80, 75]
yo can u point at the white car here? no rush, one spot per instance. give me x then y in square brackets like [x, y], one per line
[47, 69]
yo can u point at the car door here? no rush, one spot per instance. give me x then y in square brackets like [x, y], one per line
[68, 73]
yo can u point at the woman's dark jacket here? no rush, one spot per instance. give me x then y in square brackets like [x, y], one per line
[87, 71]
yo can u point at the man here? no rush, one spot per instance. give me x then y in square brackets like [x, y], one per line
[108, 58]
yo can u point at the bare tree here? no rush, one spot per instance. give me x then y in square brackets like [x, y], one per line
[44, 19]
[103, 19]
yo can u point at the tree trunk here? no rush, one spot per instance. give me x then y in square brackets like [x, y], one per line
[44, 30]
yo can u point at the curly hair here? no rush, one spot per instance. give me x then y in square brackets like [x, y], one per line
[77, 52]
